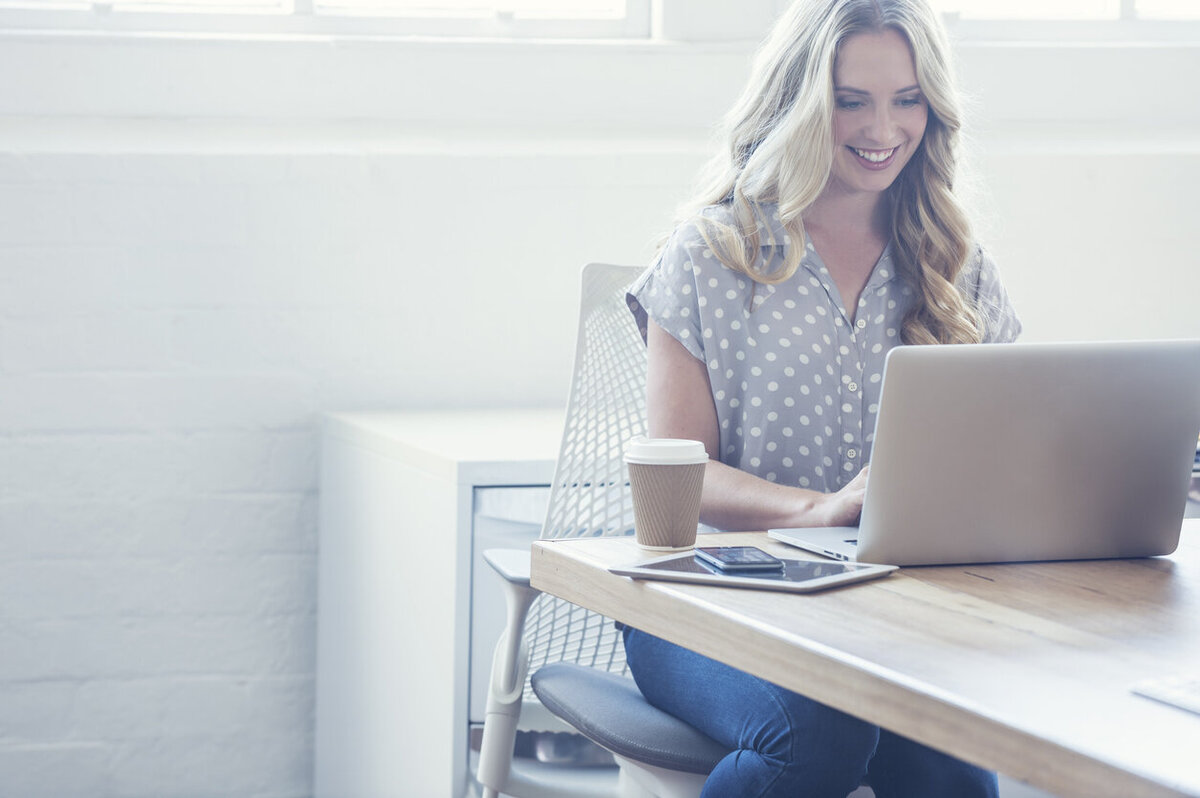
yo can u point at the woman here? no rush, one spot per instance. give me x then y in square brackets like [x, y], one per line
[827, 234]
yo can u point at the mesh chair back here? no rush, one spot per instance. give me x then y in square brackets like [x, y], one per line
[590, 496]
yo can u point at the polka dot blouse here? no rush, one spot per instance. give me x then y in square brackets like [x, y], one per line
[795, 376]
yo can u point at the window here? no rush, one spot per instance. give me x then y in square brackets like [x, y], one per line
[1030, 9]
[1070, 9]
[1167, 9]
[1100, 20]
[546, 9]
[477, 18]
[553, 18]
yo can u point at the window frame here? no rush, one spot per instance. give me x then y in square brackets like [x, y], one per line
[667, 22]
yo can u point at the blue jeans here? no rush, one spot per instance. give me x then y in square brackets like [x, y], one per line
[785, 744]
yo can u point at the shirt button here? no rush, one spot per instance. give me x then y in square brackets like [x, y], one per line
[861, 324]
[852, 387]
[852, 453]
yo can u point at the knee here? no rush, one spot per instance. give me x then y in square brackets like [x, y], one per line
[813, 741]
[903, 767]
[961, 779]
[816, 756]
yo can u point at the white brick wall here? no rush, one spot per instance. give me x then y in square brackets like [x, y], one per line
[171, 326]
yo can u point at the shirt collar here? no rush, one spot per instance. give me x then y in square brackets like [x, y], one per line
[773, 234]
[771, 230]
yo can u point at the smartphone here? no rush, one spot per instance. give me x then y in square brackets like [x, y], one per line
[738, 558]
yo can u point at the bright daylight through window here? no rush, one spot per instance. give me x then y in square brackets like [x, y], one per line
[597, 9]
[1069, 9]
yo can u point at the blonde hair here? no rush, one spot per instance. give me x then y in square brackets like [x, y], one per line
[779, 149]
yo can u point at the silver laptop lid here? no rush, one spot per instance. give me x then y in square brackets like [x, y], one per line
[1011, 452]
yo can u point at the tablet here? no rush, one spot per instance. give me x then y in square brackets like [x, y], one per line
[797, 576]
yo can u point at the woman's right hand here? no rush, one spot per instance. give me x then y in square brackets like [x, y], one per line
[844, 507]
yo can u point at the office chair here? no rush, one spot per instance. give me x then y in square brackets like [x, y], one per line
[579, 678]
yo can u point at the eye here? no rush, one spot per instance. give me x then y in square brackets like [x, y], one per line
[848, 104]
[910, 102]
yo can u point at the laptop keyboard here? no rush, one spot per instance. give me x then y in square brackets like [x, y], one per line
[1181, 690]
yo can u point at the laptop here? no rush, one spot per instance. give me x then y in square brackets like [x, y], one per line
[988, 453]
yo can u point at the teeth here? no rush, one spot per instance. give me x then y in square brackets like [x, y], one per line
[874, 156]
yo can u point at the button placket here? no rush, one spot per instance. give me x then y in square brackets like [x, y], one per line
[851, 410]
[820, 272]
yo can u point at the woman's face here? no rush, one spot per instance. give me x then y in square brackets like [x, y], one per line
[879, 112]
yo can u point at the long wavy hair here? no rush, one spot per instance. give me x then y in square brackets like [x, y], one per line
[779, 149]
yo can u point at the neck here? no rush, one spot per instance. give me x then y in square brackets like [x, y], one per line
[856, 213]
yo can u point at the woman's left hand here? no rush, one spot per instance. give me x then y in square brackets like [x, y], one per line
[844, 507]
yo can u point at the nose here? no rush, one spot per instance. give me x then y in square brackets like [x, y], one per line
[882, 126]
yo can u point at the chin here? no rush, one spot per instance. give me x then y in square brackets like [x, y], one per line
[875, 184]
[857, 179]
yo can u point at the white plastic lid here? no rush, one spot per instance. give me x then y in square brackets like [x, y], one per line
[664, 451]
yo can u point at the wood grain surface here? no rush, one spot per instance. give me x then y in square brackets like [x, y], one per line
[1022, 668]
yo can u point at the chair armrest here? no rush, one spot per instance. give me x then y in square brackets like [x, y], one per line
[510, 664]
[511, 564]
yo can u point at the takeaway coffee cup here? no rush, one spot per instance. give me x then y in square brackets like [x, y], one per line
[666, 475]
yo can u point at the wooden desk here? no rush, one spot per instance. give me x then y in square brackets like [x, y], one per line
[1024, 669]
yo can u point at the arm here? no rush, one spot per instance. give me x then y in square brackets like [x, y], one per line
[680, 405]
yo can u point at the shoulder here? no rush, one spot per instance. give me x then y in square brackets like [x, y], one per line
[978, 271]
[685, 242]
[693, 233]
[980, 281]
[762, 218]
[690, 247]
[693, 240]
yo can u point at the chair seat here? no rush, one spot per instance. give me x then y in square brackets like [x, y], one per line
[611, 711]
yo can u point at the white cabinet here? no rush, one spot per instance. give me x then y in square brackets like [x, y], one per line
[407, 502]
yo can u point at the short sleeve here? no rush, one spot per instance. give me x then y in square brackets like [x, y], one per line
[1000, 322]
[667, 294]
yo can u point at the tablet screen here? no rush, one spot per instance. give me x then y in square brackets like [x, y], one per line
[797, 576]
[793, 570]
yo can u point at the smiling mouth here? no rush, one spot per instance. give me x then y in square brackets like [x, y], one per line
[875, 159]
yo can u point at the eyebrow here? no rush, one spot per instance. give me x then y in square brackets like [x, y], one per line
[849, 90]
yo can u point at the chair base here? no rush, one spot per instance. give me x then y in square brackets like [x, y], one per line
[639, 780]
[532, 779]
